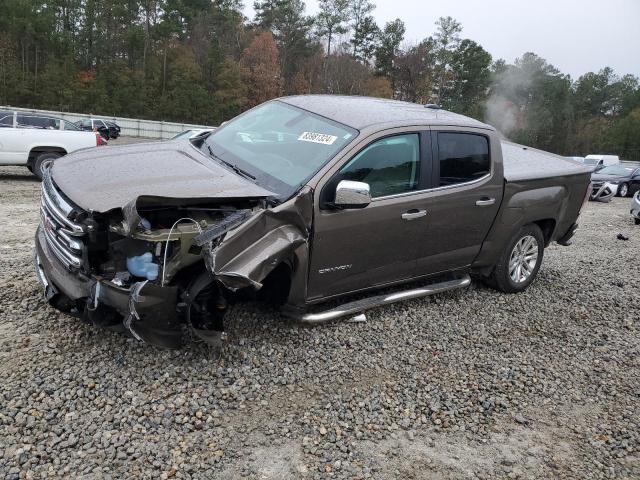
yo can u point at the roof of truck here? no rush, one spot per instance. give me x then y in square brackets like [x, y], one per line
[362, 112]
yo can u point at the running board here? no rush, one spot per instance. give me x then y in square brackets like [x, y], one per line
[360, 306]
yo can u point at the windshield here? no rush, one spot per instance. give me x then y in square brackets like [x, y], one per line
[590, 161]
[280, 145]
[616, 170]
[186, 133]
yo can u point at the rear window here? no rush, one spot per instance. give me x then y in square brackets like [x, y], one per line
[463, 157]
[38, 122]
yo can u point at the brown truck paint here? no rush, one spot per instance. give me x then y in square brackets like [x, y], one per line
[213, 228]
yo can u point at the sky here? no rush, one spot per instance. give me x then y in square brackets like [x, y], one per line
[576, 36]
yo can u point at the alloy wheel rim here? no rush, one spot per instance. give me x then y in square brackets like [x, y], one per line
[45, 165]
[623, 190]
[523, 259]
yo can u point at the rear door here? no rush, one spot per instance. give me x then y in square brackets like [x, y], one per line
[354, 249]
[463, 201]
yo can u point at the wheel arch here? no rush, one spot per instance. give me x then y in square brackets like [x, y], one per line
[35, 151]
[548, 226]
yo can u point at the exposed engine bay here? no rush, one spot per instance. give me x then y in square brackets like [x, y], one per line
[162, 267]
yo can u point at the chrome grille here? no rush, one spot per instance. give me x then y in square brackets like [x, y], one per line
[64, 237]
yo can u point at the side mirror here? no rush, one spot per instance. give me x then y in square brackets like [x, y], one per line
[350, 194]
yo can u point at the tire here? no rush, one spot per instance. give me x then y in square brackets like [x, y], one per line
[623, 190]
[510, 280]
[42, 161]
[637, 220]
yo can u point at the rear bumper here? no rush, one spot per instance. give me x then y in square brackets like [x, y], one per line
[565, 240]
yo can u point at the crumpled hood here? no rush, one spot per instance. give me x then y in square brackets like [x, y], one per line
[104, 178]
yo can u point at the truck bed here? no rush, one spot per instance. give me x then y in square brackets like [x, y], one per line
[526, 163]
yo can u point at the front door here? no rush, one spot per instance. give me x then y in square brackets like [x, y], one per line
[360, 248]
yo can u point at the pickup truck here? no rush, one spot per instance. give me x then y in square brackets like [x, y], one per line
[299, 201]
[35, 141]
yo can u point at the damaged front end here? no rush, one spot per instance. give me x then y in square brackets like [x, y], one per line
[603, 191]
[162, 267]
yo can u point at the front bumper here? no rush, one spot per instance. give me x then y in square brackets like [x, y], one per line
[147, 310]
[603, 191]
[76, 286]
[635, 206]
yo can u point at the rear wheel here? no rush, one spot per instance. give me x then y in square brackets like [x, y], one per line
[623, 190]
[520, 261]
[43, 161]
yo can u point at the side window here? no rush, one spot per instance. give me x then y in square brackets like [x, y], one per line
[50, 123]
[25, 120]
[6, 119]
[462, 157]
[390, 165]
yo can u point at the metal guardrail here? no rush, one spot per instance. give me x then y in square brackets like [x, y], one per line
[131, 127]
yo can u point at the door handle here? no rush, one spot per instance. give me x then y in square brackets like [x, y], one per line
[484, 202]
[413, 214]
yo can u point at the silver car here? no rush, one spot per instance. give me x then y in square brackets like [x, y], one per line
[635, 207]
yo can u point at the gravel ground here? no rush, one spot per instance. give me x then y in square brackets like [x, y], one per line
[470, 384]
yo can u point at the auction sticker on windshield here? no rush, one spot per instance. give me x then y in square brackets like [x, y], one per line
[322, 138]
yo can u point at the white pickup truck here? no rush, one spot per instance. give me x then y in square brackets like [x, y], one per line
[35, 140]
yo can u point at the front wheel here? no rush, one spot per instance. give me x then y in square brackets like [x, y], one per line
[623, 190]
[520, 261]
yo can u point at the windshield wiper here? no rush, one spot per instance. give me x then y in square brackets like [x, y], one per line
[233, 167]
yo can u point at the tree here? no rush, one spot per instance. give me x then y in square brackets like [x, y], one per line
[387, 50]
[593, 92]
[471, 72]
[291, 29]
[231, 92]
[624, 136]
[446, 41]
[365, 40]
[414, 73]
[331, 20]
[361, 23]
[261, 69]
